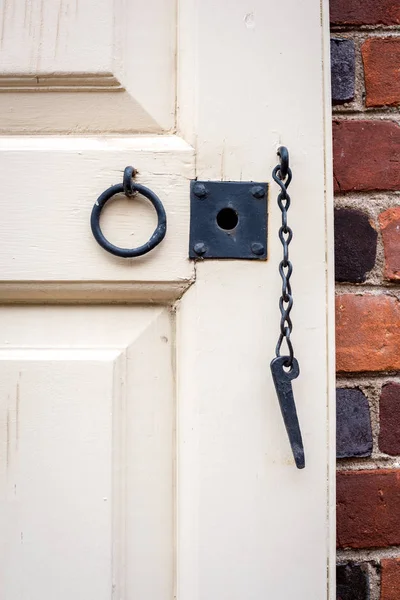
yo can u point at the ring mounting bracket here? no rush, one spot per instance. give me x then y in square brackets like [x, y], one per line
[228, 219]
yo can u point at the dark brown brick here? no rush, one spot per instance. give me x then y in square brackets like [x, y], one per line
[389, 418]
[366, 155]
[353, 424]
[342, 70]
[367, 333]
[365, 12]
[381, 58]
[352, 582]
[368, 508]
[355, 245]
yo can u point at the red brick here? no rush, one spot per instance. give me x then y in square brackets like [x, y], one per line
[365, 12]
[389, 222]
[366, 155]
[390, 579]
[389, 419]
[368, 508]
[367, 333]
[381, 58]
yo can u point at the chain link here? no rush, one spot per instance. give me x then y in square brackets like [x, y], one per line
[285, 266]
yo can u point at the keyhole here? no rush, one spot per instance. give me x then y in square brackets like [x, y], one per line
[227, 219]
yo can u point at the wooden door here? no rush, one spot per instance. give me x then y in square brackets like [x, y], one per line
[142, 450]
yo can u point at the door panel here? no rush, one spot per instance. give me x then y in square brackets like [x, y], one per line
[87, 415]
[80, 66]
[45, 227]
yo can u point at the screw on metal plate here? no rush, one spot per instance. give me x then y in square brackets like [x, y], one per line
[228, 219]
[258, 191]
[200, 248]
[257, 248]
[200, 190]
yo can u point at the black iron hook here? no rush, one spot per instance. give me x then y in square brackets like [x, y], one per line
[283, 154]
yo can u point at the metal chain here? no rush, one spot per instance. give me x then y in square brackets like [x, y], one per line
[282, 175]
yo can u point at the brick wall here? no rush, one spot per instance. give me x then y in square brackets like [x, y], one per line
[365, 52]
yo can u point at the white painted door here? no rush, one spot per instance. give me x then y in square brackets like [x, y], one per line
[143, 455]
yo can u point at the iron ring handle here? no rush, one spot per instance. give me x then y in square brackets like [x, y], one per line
[159, 232]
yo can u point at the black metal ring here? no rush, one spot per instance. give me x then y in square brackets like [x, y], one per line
[283, 154]
[159, 232]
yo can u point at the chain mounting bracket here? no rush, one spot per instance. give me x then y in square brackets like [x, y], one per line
[228, 219]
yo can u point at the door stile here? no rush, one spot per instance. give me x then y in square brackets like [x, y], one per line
[246, 516]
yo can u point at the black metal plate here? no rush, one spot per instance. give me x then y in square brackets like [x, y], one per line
[215, 207]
